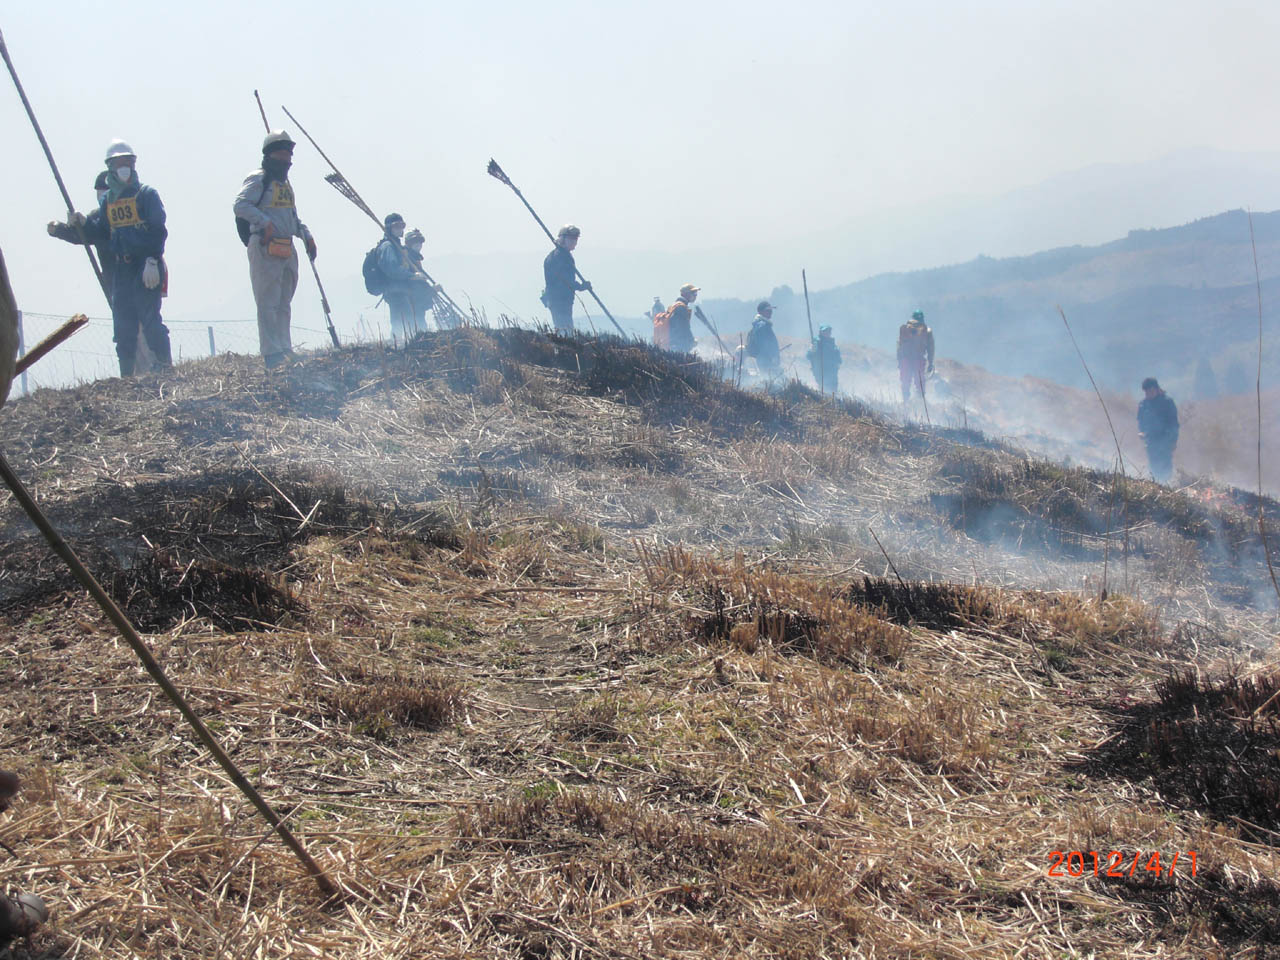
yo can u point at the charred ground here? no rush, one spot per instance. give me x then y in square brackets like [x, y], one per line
[566, 648]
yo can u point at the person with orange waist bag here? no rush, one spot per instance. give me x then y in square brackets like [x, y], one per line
[267, 219]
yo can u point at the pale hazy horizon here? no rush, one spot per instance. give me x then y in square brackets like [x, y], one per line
[753, 138]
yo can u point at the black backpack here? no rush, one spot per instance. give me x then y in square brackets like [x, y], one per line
[242, 225]
[374, 281]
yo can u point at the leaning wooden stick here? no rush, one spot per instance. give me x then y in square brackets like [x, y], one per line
[497, 173]
[49, 343]
[31, 115]
[131, 636]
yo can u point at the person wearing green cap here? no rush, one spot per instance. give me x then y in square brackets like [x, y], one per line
[915, 354]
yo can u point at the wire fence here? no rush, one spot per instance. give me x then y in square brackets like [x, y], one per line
[91, 353]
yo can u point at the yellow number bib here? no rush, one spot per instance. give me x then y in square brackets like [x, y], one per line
[281, 195]
[123, 213]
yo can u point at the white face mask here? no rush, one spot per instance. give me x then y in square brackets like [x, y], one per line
[124, 173]
[101, 194]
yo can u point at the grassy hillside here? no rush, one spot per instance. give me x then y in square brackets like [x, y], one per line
[1150, 304]
[564, 648]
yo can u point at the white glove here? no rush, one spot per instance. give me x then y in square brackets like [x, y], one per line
[76, 220]
[151, 274]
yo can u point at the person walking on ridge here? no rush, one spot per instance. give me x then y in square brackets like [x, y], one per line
[560, 275]
[915, 354]
[267, 217]
[1158, 427]
[129, 225]
[824, 361]
[422, 293]
[762, 342]
[680, 322]
[397, 279]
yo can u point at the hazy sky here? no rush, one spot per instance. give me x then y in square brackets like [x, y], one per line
[655, 125]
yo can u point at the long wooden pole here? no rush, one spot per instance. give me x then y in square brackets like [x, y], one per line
[72, 326]
[130, 634]
[88, 248]
[497, 173]
[350, 192]
[324, 301]
[809, 316]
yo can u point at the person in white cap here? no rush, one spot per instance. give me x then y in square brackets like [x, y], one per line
[267, 219]
[130, 224]
[680, 329]
[560, 275]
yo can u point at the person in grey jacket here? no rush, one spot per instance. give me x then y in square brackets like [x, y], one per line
[397, 278]
[560, 275]
[266, 202]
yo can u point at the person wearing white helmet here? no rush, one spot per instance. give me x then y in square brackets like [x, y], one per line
[130, 223]
[267, 219]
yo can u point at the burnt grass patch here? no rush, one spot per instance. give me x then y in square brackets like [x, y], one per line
[934, 606]
[675, 387]
[205, 545]
[156, 591]
[1206, 745]
[1073, 510]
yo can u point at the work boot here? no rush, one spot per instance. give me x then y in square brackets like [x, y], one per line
[126, 366]
[273, 360]
[21, 916]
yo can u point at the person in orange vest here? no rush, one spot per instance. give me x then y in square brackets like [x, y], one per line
[915, 354]
[680, 323]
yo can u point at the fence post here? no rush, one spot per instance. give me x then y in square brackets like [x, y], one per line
[22, 352]
[212, 351]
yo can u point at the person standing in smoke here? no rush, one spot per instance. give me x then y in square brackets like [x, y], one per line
[824, 360]
[762, 342]
[1158, 427]
[129, 225]
[680, 330]
[269, 213]
[397, 278]
[560, 276]
[64, 231]
[915, 354]
[422, 293]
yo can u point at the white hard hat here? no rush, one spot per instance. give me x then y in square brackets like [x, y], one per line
[276, 140]
[118, 148]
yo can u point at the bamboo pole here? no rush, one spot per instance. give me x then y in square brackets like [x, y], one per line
[152, 666]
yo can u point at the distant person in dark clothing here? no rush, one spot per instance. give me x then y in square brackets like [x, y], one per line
[915, 354]
[762, 342]
[824, 360]
[560, 275]
[680, 331]
[1158, 427]
[68, 233]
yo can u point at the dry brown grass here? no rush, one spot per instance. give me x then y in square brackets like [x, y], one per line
[512, 717]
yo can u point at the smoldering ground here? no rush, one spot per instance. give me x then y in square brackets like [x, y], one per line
[580, 607]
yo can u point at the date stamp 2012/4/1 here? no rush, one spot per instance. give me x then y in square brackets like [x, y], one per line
[1077, 863]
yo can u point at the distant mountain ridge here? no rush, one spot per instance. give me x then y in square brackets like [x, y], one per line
[1151, 303]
